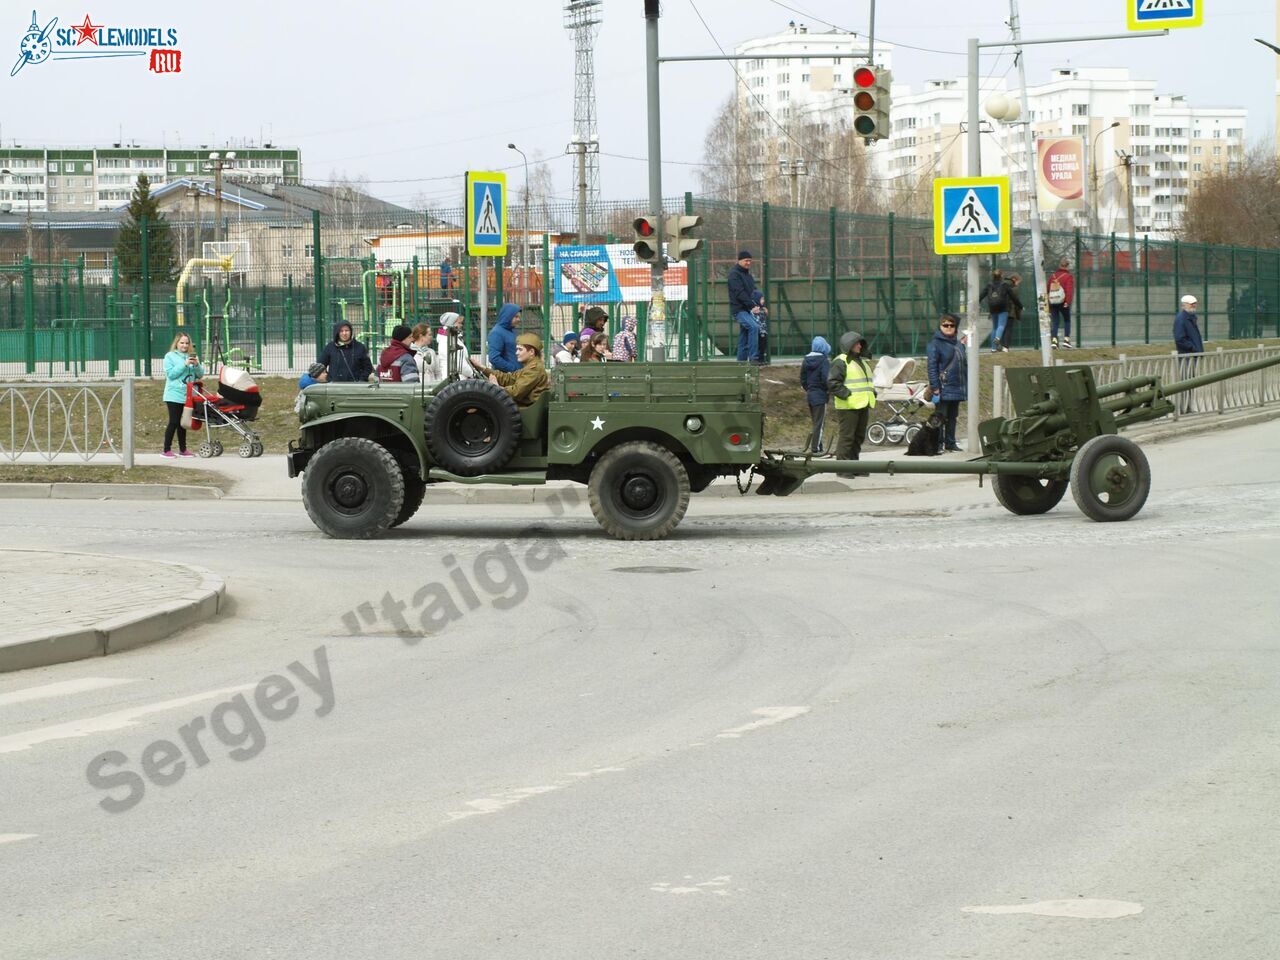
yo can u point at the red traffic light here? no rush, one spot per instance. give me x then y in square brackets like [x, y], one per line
[644, 227]
[864, 77]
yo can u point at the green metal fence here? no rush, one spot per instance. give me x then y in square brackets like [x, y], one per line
[822, 271]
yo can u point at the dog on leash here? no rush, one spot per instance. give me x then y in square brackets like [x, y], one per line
[928, 439]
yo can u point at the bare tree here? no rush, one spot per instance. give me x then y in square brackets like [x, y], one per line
[1239, 205]
[748, 159]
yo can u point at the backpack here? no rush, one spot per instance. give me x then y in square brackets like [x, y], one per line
[1057, 295]
[998, 297]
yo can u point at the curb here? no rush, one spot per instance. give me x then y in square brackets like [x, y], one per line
[124, 632]
[108, 491]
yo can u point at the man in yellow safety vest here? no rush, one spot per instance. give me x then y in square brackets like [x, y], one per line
[850, 384]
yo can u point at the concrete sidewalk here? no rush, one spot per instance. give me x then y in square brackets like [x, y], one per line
[70, 606]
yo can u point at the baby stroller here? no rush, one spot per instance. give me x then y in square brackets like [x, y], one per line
[903, 396]
[235, 404]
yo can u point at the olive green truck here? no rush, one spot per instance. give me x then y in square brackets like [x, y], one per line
[641, 436]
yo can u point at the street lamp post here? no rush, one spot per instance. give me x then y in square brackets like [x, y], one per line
[217, 162]
[1093, 163]
[526, 265]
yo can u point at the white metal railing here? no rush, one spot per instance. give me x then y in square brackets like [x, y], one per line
[86, 421]
[1251, 390]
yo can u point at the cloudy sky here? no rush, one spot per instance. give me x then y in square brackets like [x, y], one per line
[411, 94]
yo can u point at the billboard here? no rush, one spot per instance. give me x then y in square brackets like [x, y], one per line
[610, 273]
[1060, 173]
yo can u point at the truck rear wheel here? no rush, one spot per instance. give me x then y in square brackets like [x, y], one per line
[353, 488]
[638, 491]
[1027, 495]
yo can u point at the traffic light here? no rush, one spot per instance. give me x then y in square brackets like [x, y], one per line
[871, 102]
[647, 246]
[679, 244]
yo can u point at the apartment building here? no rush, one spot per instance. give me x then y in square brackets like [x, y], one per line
[57, 180]
[1169, 143]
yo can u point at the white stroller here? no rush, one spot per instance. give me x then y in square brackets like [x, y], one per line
[903, 396]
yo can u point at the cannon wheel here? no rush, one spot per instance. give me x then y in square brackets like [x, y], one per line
[638, 491]
[1110, 478]
[353, 488]
[1028, 495]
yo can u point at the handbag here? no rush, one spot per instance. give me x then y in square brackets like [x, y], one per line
[188, 419]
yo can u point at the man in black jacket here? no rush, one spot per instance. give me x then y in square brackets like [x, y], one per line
[745, 303]
[345, 357]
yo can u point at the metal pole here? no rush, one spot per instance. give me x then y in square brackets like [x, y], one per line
[657, 314]
[974, 169]
[1037, 237]
[484, 305]
[217, 199]
[145, 252]
[1128, 178]
[126, 422]
[582, 193]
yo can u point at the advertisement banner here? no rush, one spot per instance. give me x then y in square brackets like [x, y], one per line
[1060, 173]
[610, 273]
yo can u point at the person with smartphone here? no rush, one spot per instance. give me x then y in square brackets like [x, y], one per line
[181, 367]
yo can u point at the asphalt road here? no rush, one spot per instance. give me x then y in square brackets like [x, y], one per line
[803, 728]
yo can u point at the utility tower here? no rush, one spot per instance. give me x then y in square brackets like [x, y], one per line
[582, 18]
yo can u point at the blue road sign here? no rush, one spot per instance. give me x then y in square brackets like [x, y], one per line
[1159, 14]
[971, 215]
[486, 214]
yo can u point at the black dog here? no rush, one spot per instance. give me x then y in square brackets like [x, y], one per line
[928, 439]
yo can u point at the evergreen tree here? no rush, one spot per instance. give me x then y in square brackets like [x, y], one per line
[159, 239]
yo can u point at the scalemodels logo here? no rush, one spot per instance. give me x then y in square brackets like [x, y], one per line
[91, 41]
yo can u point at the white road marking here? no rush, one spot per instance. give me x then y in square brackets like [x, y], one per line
[108, 721]
[1078, 909]
[63, 688]
[706, 886]
[12, 837]
[509, 798]
[771, 716]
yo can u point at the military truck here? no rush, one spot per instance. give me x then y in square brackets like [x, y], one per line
[641, 436]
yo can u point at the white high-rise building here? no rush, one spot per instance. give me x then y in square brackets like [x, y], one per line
[1170, 144]
[815, 88]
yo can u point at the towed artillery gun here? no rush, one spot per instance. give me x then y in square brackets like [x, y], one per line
[1064, 432]
[644, 436]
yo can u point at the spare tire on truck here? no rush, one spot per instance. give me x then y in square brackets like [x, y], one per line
[472, 427]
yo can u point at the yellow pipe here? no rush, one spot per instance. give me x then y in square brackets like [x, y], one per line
[223, 263]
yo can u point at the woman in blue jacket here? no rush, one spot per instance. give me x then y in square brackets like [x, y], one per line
[948, 376]
[814, 370]
[181, 366]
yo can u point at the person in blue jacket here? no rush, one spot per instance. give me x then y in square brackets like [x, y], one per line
[316, 373]
[745, 303]
[502, 340]
[345, 357]
[181, 367]
[814, 370]
[948, 377]
[1186, 337]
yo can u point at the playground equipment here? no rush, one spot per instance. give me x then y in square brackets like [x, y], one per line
[221, 263]
[395, 287]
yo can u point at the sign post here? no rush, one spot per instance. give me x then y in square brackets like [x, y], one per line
[486, 214]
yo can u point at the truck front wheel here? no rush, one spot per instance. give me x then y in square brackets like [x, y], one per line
[638, 491]
[353, 488]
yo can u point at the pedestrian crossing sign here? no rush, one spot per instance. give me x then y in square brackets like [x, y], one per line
[486, 214]
[971, 215]
[1158, 14]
